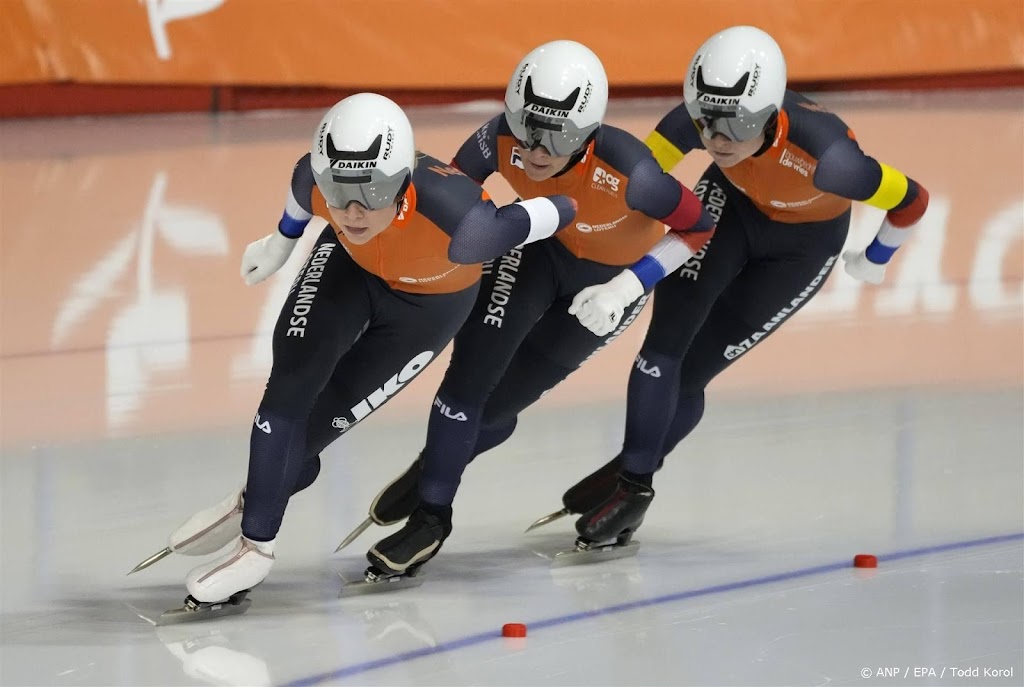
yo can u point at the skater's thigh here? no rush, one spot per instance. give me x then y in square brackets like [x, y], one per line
[405, 334]
[683, 299]
[327, 308]
[765, 295]
[556, 346]
[517, 289]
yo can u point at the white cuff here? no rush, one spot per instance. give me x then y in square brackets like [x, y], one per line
[543, 218]
[294, 210]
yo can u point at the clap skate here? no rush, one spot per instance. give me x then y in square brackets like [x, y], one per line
[219, 588]
[585, 494]
[375, 580]
[395, 561]
[209, 530]
[606, 531]
[194, 611]
[394, 503]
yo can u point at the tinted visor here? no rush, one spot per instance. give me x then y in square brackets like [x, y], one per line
[739, 126]
[545, 122]
[559, 136]
[371, 188]
[720, 110]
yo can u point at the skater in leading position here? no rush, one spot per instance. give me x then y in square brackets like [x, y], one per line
[783, 176]
[521, 338]
[388, 283]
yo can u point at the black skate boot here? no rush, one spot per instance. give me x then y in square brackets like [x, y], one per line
[399, 499]
[413, 545]
[596, 487]
[396, 560]
[606, 530]
[593, 489]
[394, 503]
[618, 516]
[589, 492]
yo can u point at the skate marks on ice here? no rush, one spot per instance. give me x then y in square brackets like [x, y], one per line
[82, 620]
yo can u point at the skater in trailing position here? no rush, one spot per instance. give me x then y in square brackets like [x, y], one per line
[521, 340]
[783, 177]
[390, 280]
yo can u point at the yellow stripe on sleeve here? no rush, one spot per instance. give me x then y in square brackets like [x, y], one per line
[892, 189]
[667, 155]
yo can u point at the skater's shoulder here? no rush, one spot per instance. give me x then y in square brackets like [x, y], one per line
[444, 195]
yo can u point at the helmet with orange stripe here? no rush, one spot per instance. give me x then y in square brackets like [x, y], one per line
[557, 97]
[735, 83]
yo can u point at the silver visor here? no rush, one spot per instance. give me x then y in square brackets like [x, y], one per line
[559, 136]
[371, 188]
[736, 123]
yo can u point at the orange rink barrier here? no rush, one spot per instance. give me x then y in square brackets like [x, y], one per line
[472, 44]
[123, 311]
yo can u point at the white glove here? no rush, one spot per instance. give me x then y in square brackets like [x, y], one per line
[859, 267]
[264, 257]
[599, 308]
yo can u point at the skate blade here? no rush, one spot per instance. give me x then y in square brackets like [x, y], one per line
[597, 554]
[189, 613]
[355, 533]
[540, 522]
[158, 556]
[384, 584]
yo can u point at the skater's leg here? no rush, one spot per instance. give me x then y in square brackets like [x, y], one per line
[334, 309]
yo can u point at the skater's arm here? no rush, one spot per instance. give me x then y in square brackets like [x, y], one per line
[658, 195]
[673, 137]
[298, 207]
[267, 255]
[479, 230]
[487, 231]
[691, 226]
[845, 170]
[478, 156]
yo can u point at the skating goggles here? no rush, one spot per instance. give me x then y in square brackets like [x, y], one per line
[735, 123]
[371, 188]
[560, 136]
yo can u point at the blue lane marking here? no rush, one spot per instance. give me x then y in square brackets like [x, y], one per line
[360, 668]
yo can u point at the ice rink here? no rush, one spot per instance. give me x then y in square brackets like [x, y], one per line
[885, 420]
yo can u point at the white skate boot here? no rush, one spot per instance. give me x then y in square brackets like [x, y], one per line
[243, 568]
[219, 588]
[209, 530]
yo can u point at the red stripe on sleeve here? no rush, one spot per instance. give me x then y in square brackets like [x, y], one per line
[913, 212]
[694, 240]
[687, 214]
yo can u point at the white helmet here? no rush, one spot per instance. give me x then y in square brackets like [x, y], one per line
[363, 151]
[557, 97]
[736, 83]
